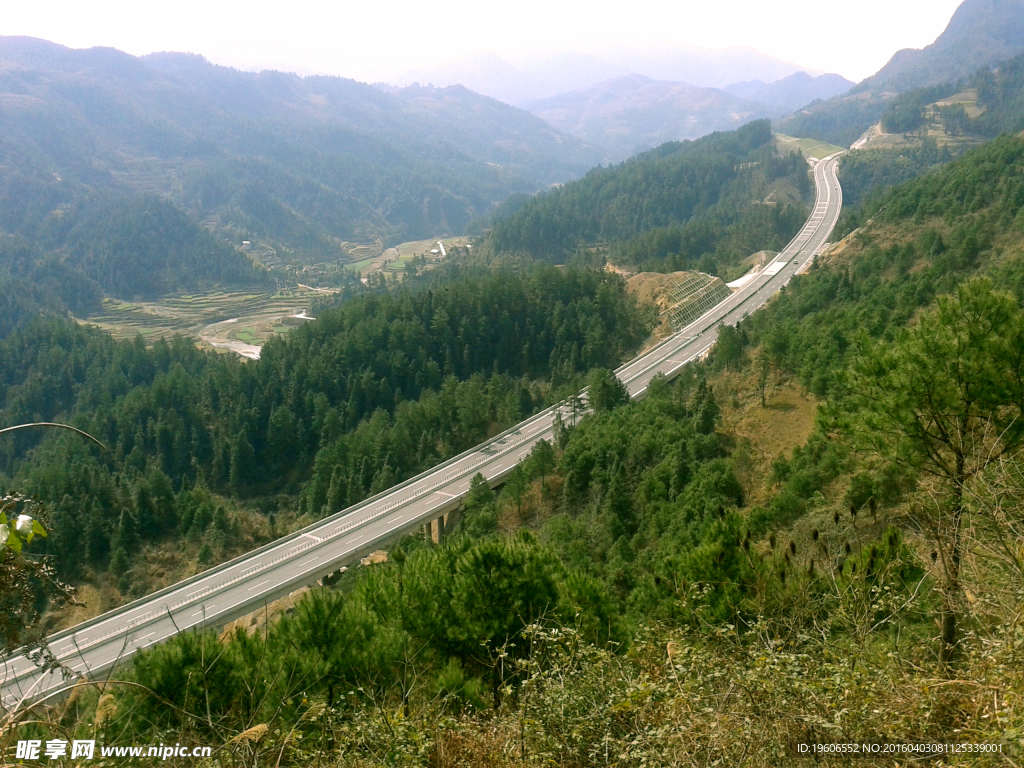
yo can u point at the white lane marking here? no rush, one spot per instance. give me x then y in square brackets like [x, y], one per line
[449, 495]
[317, 539]
[250, 589]
[740, 298]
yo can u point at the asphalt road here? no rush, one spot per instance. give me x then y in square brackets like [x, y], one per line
[240, 586]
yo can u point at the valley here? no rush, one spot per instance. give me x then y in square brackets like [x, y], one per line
[242, 321]
[610, 403]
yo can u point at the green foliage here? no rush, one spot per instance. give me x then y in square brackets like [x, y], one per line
[644, 490]
[30, 582]
[373, 391]
[681, 205]
[870, 172]
[946, 394]
[839, 121]
[455, 614]
[605, 391]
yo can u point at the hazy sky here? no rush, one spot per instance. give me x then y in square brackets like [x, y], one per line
[374, 41]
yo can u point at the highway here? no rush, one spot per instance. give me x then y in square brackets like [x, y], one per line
[240, 586]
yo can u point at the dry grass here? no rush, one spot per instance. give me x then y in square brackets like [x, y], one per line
[260, 619]
[762, 433]
[167, 562]
[654, 288]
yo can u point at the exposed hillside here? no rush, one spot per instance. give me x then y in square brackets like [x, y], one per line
[704, 204]
[790, 93]
[631, 114]
[981, 33]
[299, 165]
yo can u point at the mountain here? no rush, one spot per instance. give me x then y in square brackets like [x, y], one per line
[790, 93]
[981, 33]
[634, 113]
[485, 72]
[629, 114]
[300, 165]
[526, 76]
[704, 204]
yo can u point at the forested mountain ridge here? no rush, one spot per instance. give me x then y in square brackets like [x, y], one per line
[708, 201]
[790, 93]
[934, 125]
[998, 104]
[368, 394]
[633, 113]
[980, 34]
[299, 165]
[543, 74]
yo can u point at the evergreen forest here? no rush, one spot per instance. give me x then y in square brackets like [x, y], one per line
[698, 204]
[814, 534]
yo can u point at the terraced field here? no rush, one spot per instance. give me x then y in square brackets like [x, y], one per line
[425, 248]
[242, 321]
[239, 321]
[810, 147]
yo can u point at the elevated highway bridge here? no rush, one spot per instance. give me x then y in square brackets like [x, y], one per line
[240, 586]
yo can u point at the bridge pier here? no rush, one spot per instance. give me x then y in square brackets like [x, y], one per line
[332, 578]
[437, 530]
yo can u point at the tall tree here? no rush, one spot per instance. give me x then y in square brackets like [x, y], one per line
[605, 391]
[946, 398]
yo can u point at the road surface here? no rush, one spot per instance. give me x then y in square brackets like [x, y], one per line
[240, 586]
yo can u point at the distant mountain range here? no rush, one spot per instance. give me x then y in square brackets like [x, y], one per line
[301, 165]
[539, 74]
[627, 115]
[981, 33]
[790, 93]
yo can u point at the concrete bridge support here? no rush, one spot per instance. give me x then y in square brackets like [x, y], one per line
[436, 530]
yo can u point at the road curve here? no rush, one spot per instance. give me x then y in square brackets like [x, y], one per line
[242, 585]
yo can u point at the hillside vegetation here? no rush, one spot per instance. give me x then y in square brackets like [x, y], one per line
[370, 393]
[819, 604]
[684, 204]
[632, 113]
[145, 171]
[654, 587]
